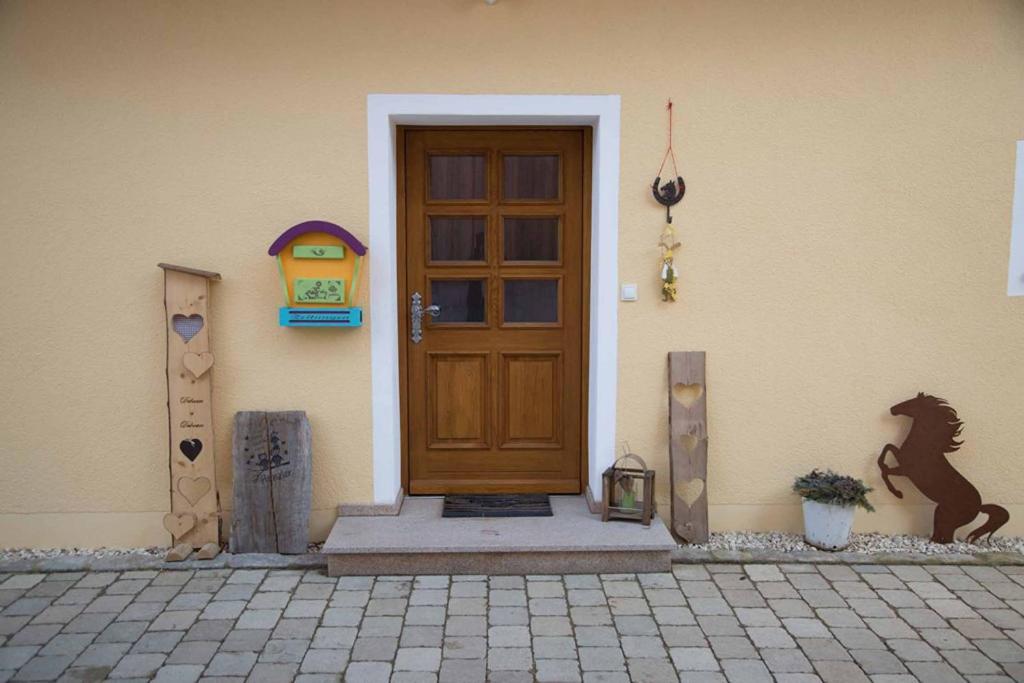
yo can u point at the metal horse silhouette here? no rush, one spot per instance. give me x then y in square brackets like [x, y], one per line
[922, 459]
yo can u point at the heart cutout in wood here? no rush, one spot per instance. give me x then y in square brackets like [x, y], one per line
[198, 363]
[191, 449]
[689, 442]
[179, 523]
[687, 394]
[690, 490]
[187, 326]
[194, 488]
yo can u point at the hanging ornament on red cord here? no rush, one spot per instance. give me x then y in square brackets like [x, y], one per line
[668, 195]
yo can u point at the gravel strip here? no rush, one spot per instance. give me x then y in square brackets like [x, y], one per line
[870, 544]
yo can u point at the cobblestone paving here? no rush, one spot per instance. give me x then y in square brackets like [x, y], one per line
[757, 622]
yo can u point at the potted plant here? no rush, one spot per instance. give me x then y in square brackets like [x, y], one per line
[830, 500]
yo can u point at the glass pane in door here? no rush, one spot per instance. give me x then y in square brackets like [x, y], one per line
[531, 301]
[461, 301]
[530, 176]
[457, 238]
[459, 176]
[530, 239]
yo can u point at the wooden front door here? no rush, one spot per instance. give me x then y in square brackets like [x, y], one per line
[495, 237]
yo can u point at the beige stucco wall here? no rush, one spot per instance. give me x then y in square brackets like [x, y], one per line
[846, 228]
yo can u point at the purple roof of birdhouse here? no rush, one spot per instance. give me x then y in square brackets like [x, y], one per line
[316, 226]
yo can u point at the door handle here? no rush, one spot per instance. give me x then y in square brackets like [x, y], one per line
[416, 312]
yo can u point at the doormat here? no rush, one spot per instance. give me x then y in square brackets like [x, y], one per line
[497, 505]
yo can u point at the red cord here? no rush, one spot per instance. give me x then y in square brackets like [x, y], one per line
[669, 152]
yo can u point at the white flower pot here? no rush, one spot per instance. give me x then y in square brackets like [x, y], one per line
[827, 527]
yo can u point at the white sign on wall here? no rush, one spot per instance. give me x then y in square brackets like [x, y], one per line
[1015, 283]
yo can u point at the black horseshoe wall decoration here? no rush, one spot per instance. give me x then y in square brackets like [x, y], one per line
[669, 194]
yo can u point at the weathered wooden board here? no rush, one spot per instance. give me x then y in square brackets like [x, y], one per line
[291, 483]
[273, 482]
[688, 444]
[194, 518]
[252, 514]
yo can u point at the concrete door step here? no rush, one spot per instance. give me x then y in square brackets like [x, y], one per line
[419, 541]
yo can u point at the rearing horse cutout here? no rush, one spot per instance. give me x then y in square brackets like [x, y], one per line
[922, 459]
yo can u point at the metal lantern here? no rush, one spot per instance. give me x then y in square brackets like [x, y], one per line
[628, 491]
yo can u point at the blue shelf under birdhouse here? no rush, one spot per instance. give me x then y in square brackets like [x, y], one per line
[289, 316]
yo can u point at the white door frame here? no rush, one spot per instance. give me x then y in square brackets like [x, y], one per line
[383, 114]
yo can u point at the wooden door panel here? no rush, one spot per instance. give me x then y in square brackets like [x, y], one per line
[458, 400]
[494, 234]
[530, 400]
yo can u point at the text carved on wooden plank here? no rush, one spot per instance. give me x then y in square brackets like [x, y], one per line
[688, 445]
[272, 460]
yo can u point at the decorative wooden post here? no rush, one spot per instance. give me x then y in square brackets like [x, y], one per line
[272, 457]
[688, 445]
[194, 519]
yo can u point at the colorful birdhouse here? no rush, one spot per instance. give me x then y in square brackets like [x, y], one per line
[319, 264]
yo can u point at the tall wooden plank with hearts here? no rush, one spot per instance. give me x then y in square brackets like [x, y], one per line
[194, 519]
[688, 444]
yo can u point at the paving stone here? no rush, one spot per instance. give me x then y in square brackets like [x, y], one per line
[158, 641]
[188, 601]
[209, 630]
[298, 609]
[374, 649]
[720, 626]
[122, 632]
[324, 661]
[890, 628]
[564, 647]
[174, 621]
[550, 626]
[237, 591]
[264, 672]
[193, 653]
[14, 657]
[731, 647]
[858, 638]
[463, 671]
[342, 616]
[913, 650]
[178, 673]
[743, 598]
[1003, 651]
[648, 671]
[840, 672]
[824, 649]
[971, 662]
[335, 637]
[511, 659]
[590, 616]
[878, 662]
[374, 672]
[138, 666]
[245, 640]
[295, 628]
[511, 616]
[231, 664]
[683, 636]
[418, 659]
[559, 671]
[269, 601]
[224, 609]
[746, 671]
[770, 636]
[580, 581]
[22, 581]
[934, 672]
[284, 651]
[693, 659]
